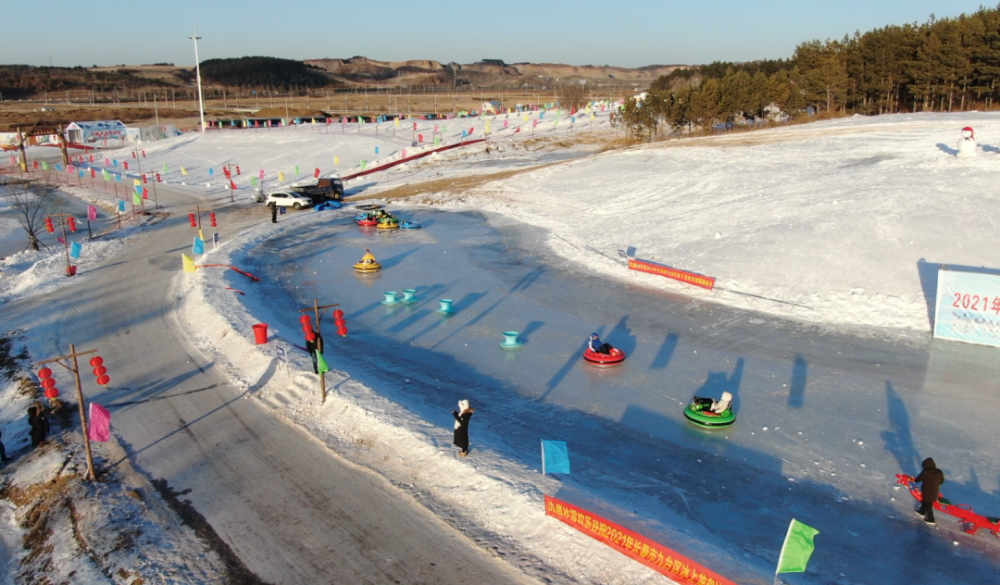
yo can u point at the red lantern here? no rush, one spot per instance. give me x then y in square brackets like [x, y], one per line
[338, 314]
[100, 371]
[339, 322]
[237, 169]
[305, 319]
[96, 361]
[51, 393]
[133, 156]
[211, 217]
[310, 336]
[306, 327]
[44, 373]
[194, 222]
[144, 178]
[103, 380]
[71, 224]
[342, 331]
[48, 383]
[48, 225]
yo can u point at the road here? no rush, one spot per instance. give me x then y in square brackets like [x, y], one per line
[285, 508]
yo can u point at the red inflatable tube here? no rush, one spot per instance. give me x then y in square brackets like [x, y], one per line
[368, 223]
[616, 357]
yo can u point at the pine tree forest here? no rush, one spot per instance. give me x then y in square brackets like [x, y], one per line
[943, 65]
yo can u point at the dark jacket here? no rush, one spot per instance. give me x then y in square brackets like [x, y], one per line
[930, 480]
[316, 344]
[462, 430]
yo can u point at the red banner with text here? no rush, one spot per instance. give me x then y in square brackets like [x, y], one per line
[652, 554]
[674, 273]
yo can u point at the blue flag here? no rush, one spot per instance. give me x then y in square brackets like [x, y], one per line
[81, 174]
[376, 150]
[210, 172]
[199, 246]
[121, 206]
[74, 250]
[138, 189]
[555, 457]
[114, 162]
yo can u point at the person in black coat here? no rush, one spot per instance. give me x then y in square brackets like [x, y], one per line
[39, 425]
[462, 417]
[930, 480]
[314, 346]
[274, 211]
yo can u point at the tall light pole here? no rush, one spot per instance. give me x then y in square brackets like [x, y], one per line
[197, 69]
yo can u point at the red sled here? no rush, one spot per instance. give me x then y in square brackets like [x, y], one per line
[616, 357]
[971, 522]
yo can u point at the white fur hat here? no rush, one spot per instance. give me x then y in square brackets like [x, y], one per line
[463, 405]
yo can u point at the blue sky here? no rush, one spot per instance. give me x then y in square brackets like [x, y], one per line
[629, 34]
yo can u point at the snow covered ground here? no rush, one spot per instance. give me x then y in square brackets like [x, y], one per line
[821, 225]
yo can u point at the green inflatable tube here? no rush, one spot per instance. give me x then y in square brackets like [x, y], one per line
[709, 419]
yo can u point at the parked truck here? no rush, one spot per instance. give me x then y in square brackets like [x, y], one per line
[325, 189]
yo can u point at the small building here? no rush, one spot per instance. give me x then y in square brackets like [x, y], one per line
[97, 133]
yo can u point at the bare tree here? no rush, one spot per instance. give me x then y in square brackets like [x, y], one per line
[573, 95]
[28, 202]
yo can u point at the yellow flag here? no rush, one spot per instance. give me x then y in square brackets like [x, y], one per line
[136, 182]
[526, 117]
[201, 235]
[487, 126]
[184, 171]
[396, 122]
[281, 176]
[188, 263]
[336, 161]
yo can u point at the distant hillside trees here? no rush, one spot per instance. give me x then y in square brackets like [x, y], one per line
[272, 72]
[943, 65]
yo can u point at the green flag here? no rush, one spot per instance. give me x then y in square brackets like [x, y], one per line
[797, 549]
[165, 171]
[363, 165]
[321, 363]
[136, 199]
[45, 166]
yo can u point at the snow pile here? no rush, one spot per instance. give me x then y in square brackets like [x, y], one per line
[823, 223]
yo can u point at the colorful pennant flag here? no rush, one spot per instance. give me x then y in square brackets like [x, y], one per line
[121, 206]
[281, 176]
[99, 426]
[797, 549]
[184, 171]
[321, 364]
[91, 212]
[555, 457]
[188, 263]
[74, 250]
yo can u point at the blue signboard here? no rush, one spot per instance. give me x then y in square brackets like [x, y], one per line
[968, 307]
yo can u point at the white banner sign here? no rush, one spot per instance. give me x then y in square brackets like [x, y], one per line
[968, 307]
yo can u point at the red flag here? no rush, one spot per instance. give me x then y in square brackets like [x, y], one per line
[471, 130]
[420, 137]
[99, 428]
[518, 130]
[316, 174]
[125, 162]
[91, 158]
[329, 121]
[414, 125]
[93, 173]
[145, 193]
[232, 185]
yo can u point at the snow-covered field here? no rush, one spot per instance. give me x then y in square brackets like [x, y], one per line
[827, 224]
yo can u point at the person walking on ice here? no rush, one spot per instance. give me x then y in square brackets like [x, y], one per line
[930, 480]
[462, 417]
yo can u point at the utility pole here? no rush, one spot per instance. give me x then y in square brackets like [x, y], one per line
[197, 69]
[75, 368]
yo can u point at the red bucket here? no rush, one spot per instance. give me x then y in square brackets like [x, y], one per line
[71, 271]
[260, 333]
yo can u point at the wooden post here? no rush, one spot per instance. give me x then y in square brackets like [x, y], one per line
[316, 315]
[75, 368]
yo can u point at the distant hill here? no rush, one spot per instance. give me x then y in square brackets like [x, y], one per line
[267, 73]
[365, 71]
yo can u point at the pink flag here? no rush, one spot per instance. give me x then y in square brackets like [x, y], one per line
[100, 423]
[404, 153]
[260, 175]
[61, 241]
[534, 122]
[91, 212]
[505, 123]
[316, 173]
[435, 128]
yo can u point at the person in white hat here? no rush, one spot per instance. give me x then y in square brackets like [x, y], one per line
[462, 417]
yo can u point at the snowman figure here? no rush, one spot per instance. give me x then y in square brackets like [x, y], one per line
[967, 145]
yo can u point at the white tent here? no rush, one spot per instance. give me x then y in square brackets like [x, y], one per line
[97, 133]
